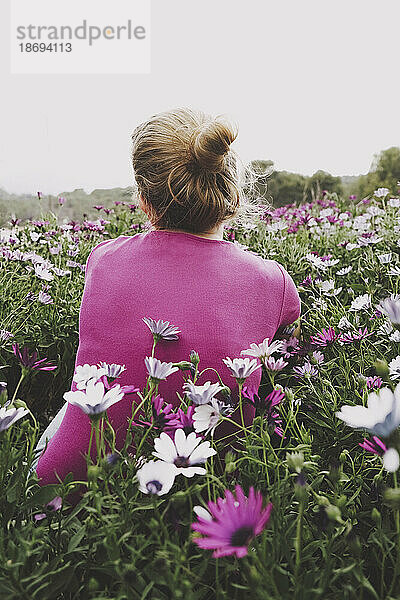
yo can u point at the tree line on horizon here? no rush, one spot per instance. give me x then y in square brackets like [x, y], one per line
[283, 187]
[276, 187]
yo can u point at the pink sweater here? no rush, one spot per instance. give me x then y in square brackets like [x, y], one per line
[221, 297]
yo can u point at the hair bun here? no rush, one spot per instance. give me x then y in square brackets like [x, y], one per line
[210, 144]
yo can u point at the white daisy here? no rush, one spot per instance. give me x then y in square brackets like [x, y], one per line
[183, 452]
[112, 371]
[156, 477]
[344, 323]
[344, 271]
[93, 401]
[157, 369]
[201, 394]
[43, 273]
[8, 416]
[361, 302]
[162, 330]
[85, 374]
[273, 365]
[328, 287]
[384, 259]
[375, 211]
[394, 368]
[264, 349]
[241, 368]
[391, 308]
[381, 416]
[381, 192]
[207, 416]
[395, 336]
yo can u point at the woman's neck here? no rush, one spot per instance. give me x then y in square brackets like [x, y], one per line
[215, 234]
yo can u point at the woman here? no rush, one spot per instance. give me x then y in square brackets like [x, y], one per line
[221, 297]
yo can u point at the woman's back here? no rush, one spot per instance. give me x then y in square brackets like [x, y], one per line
[221, 297]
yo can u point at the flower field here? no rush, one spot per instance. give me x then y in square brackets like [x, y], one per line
[305, 505]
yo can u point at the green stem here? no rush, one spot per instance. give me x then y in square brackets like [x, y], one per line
[90, 441]
[136, 410]
[97, 436]
[211, 369]
[298, 541]
[143, 439]
[23, 373]
[397, 523]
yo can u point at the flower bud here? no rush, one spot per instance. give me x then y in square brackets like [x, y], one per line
[230, 464]
[194, 357]
[93, 472]
[362, 380]
[184, 365]
[93, 585]
[295, 461]
[343, 456]
[3, 389]
[300, 489]
[376, 516]
[381, 368]
[333, 513]
[289, 394]
[391, 497]
[322, 501]
[226, 392]
[20, 404]
[265, 436]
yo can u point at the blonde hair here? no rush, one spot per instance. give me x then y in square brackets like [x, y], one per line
[188, 176]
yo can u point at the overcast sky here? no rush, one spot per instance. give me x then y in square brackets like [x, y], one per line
[313, 84]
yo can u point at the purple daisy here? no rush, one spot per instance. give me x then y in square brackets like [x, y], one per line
[232, 523]
[306, 370]
[376, 446]
[374, 383]
[350, 338]
[51, 507]
[289, 347]
[31, 362]
[184, 420]
[266, 406]
[162, 417]
[324, 338]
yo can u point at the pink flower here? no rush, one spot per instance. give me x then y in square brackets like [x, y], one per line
[52, 506]
[306, 370]
[350, 338]
[162, 416]
[318, 357]
[376, 446]
[289, 347]
[307, 281]
[324, 338]
[374, 383]
[185, 420]
[30, 361]
[233, 523]
[266, 406]
[271, 364]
